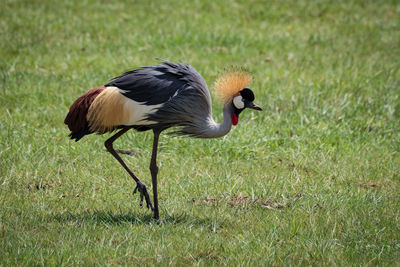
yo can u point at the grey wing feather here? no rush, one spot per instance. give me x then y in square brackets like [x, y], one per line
[149, 85]
[190, 109]
[179, 87]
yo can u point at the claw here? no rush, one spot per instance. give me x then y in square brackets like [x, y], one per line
[141, 199]
[143, 195]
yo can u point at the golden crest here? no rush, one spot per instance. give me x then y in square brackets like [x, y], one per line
[229, 84]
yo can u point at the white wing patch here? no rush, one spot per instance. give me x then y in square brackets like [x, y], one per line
[111, 109]
[138, 112]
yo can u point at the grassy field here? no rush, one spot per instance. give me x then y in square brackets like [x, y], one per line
[311, 180]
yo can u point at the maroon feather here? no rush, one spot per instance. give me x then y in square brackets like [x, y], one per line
[76, 117]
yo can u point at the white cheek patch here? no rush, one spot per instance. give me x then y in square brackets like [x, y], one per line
[238, 102]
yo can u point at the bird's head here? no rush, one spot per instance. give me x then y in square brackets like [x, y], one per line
[243, 99]
[232, 89]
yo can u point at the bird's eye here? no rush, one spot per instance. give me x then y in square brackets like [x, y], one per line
[238, 102]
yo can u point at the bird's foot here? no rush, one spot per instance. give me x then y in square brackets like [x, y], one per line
[141, 187]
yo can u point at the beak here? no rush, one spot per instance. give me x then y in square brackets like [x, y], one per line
[253, 106]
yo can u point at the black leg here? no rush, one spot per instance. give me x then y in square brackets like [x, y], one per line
[154, 171]
[140, 186]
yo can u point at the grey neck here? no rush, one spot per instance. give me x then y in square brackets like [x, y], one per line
[217, 130]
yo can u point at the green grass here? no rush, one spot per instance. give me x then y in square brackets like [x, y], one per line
[311, 180]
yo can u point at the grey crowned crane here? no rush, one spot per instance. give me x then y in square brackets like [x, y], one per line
[157, 98]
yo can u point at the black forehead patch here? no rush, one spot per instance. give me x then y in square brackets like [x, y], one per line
[247, 94]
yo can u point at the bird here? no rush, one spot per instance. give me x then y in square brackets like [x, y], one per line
[157, 98]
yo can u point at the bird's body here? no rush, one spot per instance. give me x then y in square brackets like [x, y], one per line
[150, 97]
[157, 98]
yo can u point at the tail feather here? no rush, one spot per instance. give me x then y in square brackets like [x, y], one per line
[76, 117]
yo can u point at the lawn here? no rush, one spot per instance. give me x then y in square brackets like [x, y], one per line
[311, 180]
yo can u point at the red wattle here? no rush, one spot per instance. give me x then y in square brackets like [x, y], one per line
[235, 119]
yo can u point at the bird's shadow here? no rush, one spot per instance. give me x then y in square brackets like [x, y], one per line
[115, 218]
